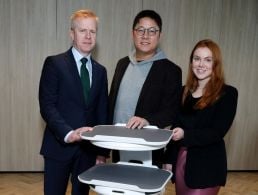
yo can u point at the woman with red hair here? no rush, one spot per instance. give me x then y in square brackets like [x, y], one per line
[197, 151]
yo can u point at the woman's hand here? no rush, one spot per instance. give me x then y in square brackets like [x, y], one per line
[178, 134]
[167, 167]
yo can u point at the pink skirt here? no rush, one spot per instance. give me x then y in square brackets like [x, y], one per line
[181, 188]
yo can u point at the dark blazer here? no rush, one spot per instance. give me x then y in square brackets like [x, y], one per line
[63, 108]
[204, 130]
[160, 95]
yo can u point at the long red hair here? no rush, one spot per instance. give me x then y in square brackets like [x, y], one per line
[213, 88]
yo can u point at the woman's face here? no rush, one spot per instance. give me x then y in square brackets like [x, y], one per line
[202, 63]
[146, 36]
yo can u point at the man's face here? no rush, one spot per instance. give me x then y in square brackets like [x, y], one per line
[84, 35]
[146, 36]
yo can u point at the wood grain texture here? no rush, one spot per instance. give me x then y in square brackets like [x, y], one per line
[30, 30]
[26, 33]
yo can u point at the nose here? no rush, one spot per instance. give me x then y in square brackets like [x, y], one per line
[201, 63]
[145, 34]
[87, 34]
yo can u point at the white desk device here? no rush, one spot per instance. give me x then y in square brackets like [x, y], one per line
[124, 177]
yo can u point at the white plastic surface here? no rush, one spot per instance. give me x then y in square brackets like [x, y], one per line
[121, 138]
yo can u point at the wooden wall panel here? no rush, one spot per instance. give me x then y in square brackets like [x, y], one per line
[239, 40]
[234, 26]
[30, 30]
[26, 31]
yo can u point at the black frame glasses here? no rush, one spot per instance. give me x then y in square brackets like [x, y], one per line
[152, 31]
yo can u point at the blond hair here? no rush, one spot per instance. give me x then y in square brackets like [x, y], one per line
[84, 13]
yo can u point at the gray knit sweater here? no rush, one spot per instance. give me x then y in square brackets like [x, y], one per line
[131, 86]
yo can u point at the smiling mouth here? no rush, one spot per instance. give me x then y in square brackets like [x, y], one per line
[201, 70]
[144, 43]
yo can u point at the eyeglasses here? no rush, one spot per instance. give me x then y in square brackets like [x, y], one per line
[150, 31]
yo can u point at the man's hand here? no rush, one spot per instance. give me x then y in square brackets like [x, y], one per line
[136, 122]
[75, 136]
[100, 160]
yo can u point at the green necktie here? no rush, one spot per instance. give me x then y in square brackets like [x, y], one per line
[85, 78]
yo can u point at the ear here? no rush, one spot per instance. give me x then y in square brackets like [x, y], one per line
[132, 34]
[160, 35]
[71, 34]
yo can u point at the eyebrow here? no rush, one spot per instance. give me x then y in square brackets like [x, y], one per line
[200, 57]
[147, 28]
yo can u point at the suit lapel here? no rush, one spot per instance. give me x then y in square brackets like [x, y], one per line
[94, 84]
[74, 75]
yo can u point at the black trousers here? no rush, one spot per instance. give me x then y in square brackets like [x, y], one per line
[57, 174]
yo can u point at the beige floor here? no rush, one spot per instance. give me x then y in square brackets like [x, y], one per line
[238, 183]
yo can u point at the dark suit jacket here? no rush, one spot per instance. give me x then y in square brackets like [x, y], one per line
[63, 108]
[160, 95]
[204, 130]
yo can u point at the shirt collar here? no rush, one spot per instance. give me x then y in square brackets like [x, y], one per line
[78, 56]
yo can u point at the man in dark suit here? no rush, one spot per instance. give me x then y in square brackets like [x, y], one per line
[71, 105]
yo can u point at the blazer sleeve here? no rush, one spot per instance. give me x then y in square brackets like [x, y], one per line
[48, 99]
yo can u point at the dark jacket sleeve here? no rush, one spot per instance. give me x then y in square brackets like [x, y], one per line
[48, 99]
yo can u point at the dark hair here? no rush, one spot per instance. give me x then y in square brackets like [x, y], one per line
[149, 14]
